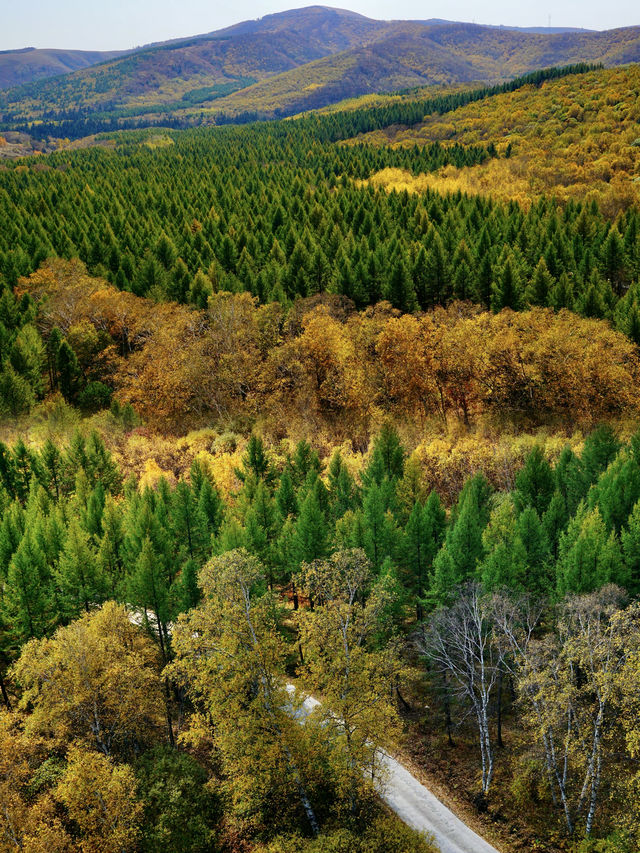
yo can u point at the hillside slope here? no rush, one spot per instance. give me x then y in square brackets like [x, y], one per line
[411, 54]
[187, 72]
[573, 137]
[293, 61]
[30, 63]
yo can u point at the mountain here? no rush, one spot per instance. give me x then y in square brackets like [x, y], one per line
[290, 62]
[410, 54]
[30, 63]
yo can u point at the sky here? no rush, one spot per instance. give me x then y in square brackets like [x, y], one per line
[122, 24]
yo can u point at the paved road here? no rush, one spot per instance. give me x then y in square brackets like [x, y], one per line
[419, 808]
[411, 801]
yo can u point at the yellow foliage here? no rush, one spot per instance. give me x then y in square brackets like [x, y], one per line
[572, 135]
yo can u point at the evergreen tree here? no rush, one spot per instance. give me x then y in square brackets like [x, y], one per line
[286, 497]
[387, 458]
[16, 394]
[311, 530]
[630, 538]
[148, 589]
[535, 483]
[380, 533]
[27, 603]
[505, 291]
[539, 288]
[531, 533]
[79, 574]
[423, 536]
[401, 293]
[68, 370]
[600, 449]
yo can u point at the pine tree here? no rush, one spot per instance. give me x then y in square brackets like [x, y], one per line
[630, 538]
[600, 449]
[16, 394]
[186, 524]
[505, 291]
[539, 288]
[554, 521]
[380, 532]
[188, 593]
[68, 370]
[387, 458]
[571, 480]
[422, 540]
[51, 471]
[261, 528]
[464, 539]
[535, 483]
[210, 510]
[12, 529]
[148, 589]
[305, 461]
[531, 533]
[588, 556]
[400, 292]
[438, 275]
[444, 580]
[311, 530]
[79, 573]
[27, 600]
[200, 290]
[286, 497]
[256, 461]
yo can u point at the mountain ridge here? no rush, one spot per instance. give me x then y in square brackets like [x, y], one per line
[293, 61]
[27, 64]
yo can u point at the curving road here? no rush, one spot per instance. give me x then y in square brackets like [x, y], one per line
[420, 809]
[410, 800]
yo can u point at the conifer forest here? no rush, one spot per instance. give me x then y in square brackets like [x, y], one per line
[320, 448]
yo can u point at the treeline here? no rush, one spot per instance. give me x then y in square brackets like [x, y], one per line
[492, 583]
[322, 368]
[274, 212]
[101, 117]
[345, 125]
[73, 536]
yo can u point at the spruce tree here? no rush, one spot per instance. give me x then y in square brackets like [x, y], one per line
[535, 483]
[505, 291]
[311, 530]
[27, 603]
[79, 574]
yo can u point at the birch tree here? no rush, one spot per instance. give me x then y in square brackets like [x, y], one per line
[566, 681]
[350, 662]
[458, 641]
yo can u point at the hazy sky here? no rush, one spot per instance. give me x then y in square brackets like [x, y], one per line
[115, 24]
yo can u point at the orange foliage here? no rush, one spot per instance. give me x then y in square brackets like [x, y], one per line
[340, 375]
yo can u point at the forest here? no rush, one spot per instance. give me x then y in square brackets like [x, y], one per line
[575, 137]
[270, 431]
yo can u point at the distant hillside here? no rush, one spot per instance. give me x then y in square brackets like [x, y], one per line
[410, 54]
[291, 62]
[574, 137]
[29, 64]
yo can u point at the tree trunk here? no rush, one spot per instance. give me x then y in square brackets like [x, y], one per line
[167, 695]
[5, 695]
[499, 710]
[447, 709]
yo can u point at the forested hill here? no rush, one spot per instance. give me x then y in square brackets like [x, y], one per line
[30, 63]
[298, 60]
